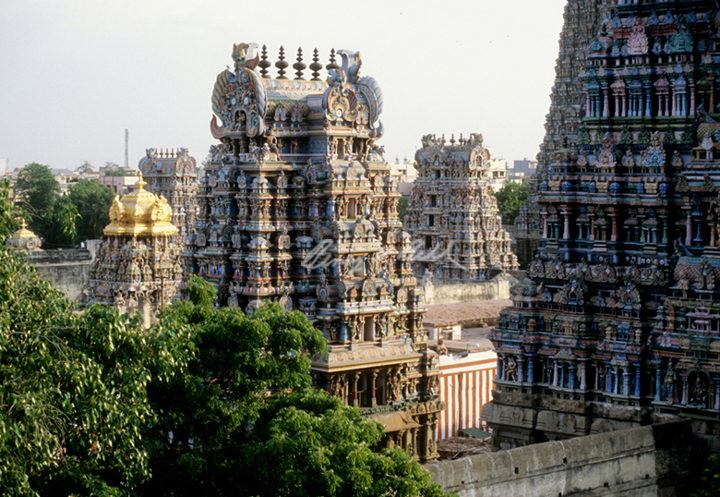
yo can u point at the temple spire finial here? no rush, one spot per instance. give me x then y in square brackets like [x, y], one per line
[299, 66]
[281, 64]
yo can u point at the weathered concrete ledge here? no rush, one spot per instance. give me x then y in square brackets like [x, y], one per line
[647, 461]
[67, 270]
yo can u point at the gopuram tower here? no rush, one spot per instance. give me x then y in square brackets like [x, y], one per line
[298, 206]
[173, 175]
[452, 213]
[137, 265]
[619, 322]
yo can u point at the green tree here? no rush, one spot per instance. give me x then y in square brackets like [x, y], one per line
[708, 485]
[510, 198]
[402, 207]
[48, 214]
[85, 168]
[92, 201]
[73, 399]
[244, 420]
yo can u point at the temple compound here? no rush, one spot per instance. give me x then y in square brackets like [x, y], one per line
[173, 175]
[298, 205]
[619, 322]
[452, 214]
[137, 265]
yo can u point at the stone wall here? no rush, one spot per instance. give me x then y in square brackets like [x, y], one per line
[648, 461]
[67, 270]
[452, 291]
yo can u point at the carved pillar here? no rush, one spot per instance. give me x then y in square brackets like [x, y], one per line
[531, 369]
[372, 391]
[583, 375]
[613, 218]
[606, 102]
[555, 373]
[609, 379]
[545, 224]
[571, 376]
[658, 382]
[688, 228]
[685, 390]
[637, 379]
[592, 228]
[717, 396]
[692, 98]
[355, 399]
[617, 374]
[588, 107]
[711, 80]
[566, 225]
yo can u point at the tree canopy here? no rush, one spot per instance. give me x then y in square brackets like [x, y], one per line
[62, 221]
[510, 198]
[92, 201]
[85, 168]
[48, 214]
[206, 402]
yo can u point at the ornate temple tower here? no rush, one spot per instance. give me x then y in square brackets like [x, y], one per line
[453, 215]
[298, 205]
[137, 265]
[583, 19]
[173, 175]
[618, 324]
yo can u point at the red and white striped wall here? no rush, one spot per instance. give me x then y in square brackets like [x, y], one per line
[465, 385]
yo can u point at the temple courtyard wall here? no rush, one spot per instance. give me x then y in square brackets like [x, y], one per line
[647, 461]
[453, 291]
[67, 270]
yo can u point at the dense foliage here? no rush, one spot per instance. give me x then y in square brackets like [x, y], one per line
[48, 214]
[62, 221]
[708, 485]
[510, 198]
[207, 402]
[402, 207]
[73, 404]
[92, 201]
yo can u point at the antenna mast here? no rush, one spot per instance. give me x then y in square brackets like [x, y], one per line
[127, 163]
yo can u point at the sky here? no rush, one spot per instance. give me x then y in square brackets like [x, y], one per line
[74, 74]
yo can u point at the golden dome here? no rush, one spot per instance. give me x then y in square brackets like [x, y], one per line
[24, 238]
[140, 213]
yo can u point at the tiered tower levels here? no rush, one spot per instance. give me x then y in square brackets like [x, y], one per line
[137, 265]
[298, 205]
[452, 213]
[618, 323]
[173, 175]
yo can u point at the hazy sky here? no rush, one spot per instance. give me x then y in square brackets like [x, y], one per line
[75, 73]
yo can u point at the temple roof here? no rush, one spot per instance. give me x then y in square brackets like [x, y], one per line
[140, 213]
[24, 238]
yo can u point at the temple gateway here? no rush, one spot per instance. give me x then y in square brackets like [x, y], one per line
[618, 324]
[298, 206]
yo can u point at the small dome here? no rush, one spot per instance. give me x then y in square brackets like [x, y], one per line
[140, 212]
[24, 239]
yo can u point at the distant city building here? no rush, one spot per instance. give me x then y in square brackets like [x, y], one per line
[298, 205]
[119, 184]
[173, 175]
[452, 214]
[522, 169]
